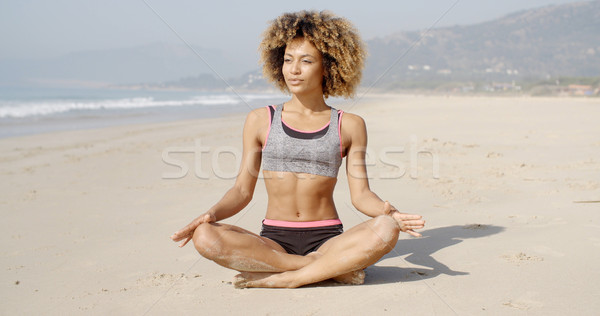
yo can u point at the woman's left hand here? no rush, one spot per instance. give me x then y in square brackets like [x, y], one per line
[407, 222]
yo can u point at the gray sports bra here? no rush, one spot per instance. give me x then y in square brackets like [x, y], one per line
[318, 152]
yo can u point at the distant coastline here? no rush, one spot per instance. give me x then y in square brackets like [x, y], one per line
[559, 87]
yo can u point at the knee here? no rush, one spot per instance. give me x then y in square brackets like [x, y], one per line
[386, 231]
[206, 240]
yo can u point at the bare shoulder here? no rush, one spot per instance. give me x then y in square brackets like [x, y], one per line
[258, 115]
[353, 130]
[257, 123]
[257, 119]
[352, 123]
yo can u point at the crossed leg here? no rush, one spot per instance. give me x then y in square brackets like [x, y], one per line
[264, 263]
[239, 249]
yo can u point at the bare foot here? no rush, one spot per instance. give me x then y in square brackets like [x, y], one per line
[258, 279]
[278, 280]
[356, 277]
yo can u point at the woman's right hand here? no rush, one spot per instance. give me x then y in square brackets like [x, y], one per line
[187, 232]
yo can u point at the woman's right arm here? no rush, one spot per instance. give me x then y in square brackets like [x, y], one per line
[236, 198]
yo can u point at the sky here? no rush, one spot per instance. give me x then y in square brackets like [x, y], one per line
[41, 28]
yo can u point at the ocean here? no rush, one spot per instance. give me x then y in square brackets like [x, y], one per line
[27, 111]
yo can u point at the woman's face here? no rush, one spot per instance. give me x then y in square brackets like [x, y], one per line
[303, 67]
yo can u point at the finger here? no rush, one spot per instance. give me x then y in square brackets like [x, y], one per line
[176, 237]
[185, 242]
[179, 235]
[414, 223]
[409, 216]
[184, 232]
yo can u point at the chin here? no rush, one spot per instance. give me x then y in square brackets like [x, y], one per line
[302, 90]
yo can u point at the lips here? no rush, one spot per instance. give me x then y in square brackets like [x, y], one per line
[294, 81]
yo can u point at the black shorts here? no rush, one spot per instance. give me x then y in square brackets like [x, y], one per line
[301, 241]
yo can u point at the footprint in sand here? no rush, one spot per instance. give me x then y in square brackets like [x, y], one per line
[527, 301]
[493, 154]
[476, 226]
[523, 305]
[521, 258]
[164, 279]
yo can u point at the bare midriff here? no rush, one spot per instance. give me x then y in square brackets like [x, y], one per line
[299, 197]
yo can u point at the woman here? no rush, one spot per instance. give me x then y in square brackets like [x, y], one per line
[301, 143]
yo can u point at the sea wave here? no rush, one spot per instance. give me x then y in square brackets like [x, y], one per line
[23, 109]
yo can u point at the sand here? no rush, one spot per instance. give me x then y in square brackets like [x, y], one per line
[508, 186]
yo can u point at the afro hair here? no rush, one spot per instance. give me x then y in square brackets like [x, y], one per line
[336, 38]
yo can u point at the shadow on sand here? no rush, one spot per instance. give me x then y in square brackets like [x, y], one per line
[419, 251]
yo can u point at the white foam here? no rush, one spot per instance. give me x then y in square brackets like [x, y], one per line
[22, 109]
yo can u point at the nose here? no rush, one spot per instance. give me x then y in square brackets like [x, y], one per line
[295, 68]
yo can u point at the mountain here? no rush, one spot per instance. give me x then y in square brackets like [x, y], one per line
[549, 41]
[531, 45]
[542, 43]
[154, 62]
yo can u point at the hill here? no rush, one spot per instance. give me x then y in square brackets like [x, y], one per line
[539, 43]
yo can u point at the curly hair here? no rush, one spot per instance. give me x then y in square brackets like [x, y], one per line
[336, 38]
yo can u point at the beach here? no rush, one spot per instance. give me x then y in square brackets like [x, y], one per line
[509, 187]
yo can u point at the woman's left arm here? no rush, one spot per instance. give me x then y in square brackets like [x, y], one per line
[354, 135]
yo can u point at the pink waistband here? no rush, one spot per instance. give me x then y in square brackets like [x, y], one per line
[327, 222]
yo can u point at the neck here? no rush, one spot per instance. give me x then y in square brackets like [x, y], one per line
[308, 103]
